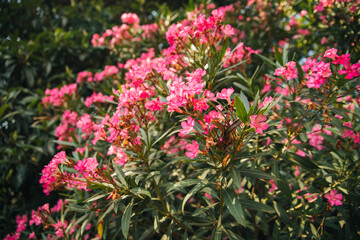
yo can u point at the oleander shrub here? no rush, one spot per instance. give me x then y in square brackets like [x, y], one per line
[242, 125]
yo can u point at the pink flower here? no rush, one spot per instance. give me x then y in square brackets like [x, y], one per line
[334, 198]
[280, 71]
[59, 228]
[225, 94]
[331, 53]
[297, 171]
[290, 72]
[85, 123]
[342, 59]
[154, 105]
[273, 187]
[58, 206]
[187, 126]
[32, 236]
[130, 18]
[193, 149]
[315, 139]
[210, 197]
[351, 71]
[86, 166]
[258, 122]
[301, 153]
[303, 13]
[50, 172]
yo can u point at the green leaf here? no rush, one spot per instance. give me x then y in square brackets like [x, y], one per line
[305, 162]
[267, 61]
[255, 105]
[300, 71]
[147, 233]
[11, 114]
[337, 123]
[217, 233]
[183, 184]
[245, 101]
[71, 144]
[164, 135]
[241, 112]
[3, 108]
[255, 174]
[120, 174]
[242, 87]
[235, 175]
[29, 73]
[255, 75]
[234, 206]
[96, 197]
[82, 218]
[84, 224]
[194, 190]
[110, 209]
[272, 104]
[223, 49]
[144, 137]
[285, 54]
[282, 214]
[278, 56]
[256, 206]
[314, 231]
[196, 221]
[139, 191]
[156, 223]
[125, 220]
[282, 185]
[231, 235]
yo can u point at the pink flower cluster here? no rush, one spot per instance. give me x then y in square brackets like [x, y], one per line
[109, 71]
[317, 72]
[87, 167]
[315, 138]
[97, 97]
[207, 30]
[288, 72]
[64, 130]
[241, 53]
[129, 31]
[51, 173]
[182, 94]
[42, 216]
[21, 226]
[56, 96]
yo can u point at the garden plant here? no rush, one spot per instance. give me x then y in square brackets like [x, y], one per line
[231, 122]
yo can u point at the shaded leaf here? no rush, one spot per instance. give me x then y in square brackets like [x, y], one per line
[234, 206]
[125, 220]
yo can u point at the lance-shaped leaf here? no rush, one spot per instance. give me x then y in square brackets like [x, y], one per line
[234, 206]
[194, 190]
[125, 220]
[235, 175]
[255, 174]
[241, 112]
[256, 206]
[120, 174]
